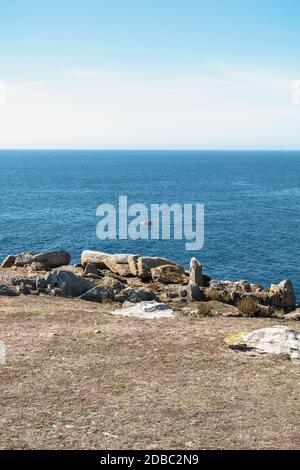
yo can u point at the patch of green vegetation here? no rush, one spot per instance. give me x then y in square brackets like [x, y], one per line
[218, 295]
[279, 314]
[177, 306]
[251, 308]
[203, 310]
[214, 294]
[107, 300]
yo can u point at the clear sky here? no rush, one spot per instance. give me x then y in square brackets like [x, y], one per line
[149, 74]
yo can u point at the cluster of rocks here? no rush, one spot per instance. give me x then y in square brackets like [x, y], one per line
[38, 261]
[277, 296]
[131, 278]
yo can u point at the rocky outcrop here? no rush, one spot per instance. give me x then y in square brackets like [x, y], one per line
[76, 269]
[98, 294]
[136, 295]
[47, 260]
[94, 257]
[282, 295]
[107, 288]
[195, 292]
[135, 278]
[118, 264]
[52, 259]
[279, 296]
[146, 310]
[195, 288]
[274, 340]
[111, 283]
[169, 274]
[144, 265]
[64, 283]
[104, 293]
[196, 276]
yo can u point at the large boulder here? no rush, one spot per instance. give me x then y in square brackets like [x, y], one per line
[67, 284]
[49, 260]
[195, 292]
[282, 295]
[173, 291]
[94, 257]
[76, 269]
[109, 288]
[52, 259]
[196, 272]
[169, 274]
[136, 295]
[144, 264]
[118, 264]
[8, 262]
[146, 310]
[98, 294]
[274, 340]
[111, 283]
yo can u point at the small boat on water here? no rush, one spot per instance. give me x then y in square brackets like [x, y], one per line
[146, 222]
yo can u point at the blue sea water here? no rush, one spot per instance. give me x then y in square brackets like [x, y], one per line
[252, 212]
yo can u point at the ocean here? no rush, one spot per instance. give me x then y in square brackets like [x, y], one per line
[251, 199]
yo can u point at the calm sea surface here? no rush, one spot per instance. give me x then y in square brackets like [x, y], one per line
[252, 205]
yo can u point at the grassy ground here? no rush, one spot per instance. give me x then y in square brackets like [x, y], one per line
[76, 377]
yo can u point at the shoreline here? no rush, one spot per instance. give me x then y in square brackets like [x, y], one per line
[130, 277]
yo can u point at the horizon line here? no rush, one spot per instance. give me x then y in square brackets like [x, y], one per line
[149, 149]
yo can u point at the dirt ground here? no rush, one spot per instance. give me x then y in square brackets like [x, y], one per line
[77, 377]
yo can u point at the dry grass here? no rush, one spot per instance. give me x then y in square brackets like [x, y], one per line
[251, 308]
[138, 384]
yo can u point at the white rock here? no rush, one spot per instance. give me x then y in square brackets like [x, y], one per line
[274, 340]
[147, 310]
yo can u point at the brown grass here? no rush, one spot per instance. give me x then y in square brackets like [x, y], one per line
[77, 377]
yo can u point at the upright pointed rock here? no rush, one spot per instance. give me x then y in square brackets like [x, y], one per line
[196, 276]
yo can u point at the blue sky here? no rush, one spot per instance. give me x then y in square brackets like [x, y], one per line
[141, 74]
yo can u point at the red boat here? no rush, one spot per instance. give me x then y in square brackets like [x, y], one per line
[146, 222]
